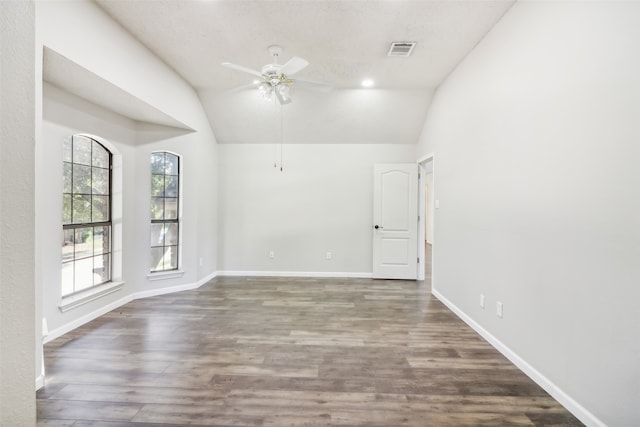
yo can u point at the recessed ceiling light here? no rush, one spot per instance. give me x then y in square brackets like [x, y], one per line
[367, 83]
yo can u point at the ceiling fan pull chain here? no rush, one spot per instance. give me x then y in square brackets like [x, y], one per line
[281, 137]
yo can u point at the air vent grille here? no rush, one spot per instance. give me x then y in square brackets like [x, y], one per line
[401, 48]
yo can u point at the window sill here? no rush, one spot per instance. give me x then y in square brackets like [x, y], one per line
[162, 275]
[73, 301]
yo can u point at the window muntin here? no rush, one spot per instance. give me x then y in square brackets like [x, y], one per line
[165, 207]
[86, 214]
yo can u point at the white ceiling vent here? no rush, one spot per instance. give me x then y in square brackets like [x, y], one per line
[401, 48]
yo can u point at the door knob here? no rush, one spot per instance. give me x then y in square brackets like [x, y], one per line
[377, 226]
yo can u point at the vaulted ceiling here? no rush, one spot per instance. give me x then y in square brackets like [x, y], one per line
[345, 42]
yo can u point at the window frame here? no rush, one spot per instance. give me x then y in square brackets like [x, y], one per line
[165, 222]
[74, 227]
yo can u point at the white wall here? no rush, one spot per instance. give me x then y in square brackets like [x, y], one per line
[535, 136]
[65, 115]
[80, 31]
[107, 51]
[321, 202]
[17, 211]
[199, 208]
[351, 116]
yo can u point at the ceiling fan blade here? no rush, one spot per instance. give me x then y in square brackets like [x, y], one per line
[245, 87]
[293, 65]
[311, 85]
[241, 68]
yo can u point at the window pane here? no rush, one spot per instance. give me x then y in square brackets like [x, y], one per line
[100, 211]
[101, 240]
[67, 245]
[171, 234]
[66, 208]
[156, 259]
[157, 163]
[101, 269]
[81, 150]
[83, 242]
[170, 208]
[100, 181]
[81, 179]
[66, 177]
[81, 209]
[100, 156]
[66, 150]
[81, 212]
[157, 185]
[171, 186]
[83, 274]
[157, 235]
[171, 262]
[171, 164]
[157, 208]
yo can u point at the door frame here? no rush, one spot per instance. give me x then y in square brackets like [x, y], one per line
[422, 207]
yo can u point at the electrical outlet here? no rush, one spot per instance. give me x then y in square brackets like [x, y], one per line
[481, 300]
[272, 254]
[201, 261]
[499, 309]
[328, 255]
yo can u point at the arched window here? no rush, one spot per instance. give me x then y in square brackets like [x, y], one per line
[86, 215]
[165, 211]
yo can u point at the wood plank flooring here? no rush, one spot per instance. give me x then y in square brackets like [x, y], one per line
[287, 352]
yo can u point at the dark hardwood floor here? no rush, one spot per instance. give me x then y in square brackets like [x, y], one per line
[287, 352]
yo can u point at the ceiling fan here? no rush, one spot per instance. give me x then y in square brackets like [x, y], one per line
[274, 80]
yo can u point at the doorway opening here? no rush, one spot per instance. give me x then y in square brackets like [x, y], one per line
[425, 222]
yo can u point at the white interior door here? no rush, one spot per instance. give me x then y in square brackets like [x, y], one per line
[395, 221]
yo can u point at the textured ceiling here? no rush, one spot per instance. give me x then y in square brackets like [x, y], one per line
[344, 41]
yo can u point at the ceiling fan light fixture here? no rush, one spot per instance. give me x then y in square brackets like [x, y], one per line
[266, 91]
[285, 93]
[274, 80]
[367, 83]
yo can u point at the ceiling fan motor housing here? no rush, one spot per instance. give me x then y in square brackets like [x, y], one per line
[272, 74]
[271, 70]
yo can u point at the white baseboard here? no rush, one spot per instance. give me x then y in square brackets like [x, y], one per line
[205, 279]
[58, 332]
[556, 392]
[172, 289]
[39, 382]
[68, 327]
[231, 273]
